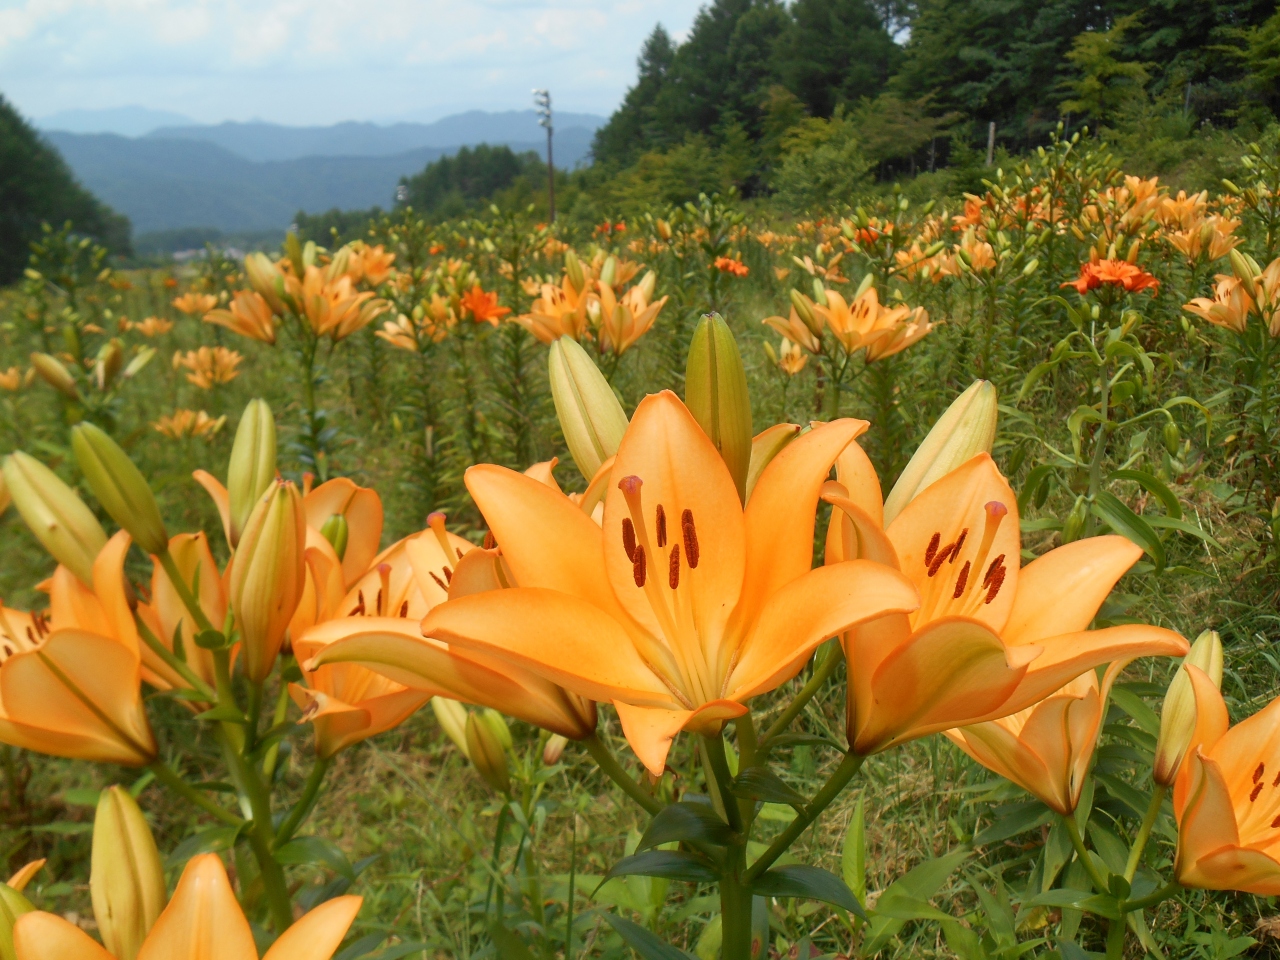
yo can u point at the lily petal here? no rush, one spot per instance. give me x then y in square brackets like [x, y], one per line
[820, 604]
[1212, 722]
[1061, 591]
[1234, 868]
[43, 936]
[362, 508]
[319, 934]
[1207, 824]
[218, 494]
[566, 640]
[853, 534]
[203, 920]
[650, 731]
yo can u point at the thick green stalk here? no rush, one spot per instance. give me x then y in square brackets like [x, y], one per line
[1144, 831]
[302, 809]
[850, 765]
[610, 767]
[735, 908]
[1115, 938]
[719, 775]
[1151, 899]
[184, 591]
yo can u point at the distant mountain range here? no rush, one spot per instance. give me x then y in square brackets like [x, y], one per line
[256, 176]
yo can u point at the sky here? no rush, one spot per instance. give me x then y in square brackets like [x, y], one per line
[305, 62]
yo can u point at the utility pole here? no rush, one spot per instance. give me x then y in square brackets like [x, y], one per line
[542, 100]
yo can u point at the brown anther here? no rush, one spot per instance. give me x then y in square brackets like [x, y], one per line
[994, 579]
[1275, 824]
[458, 551]
[489, 540]
[940, 558]
[660, 522]
[377, 604]
[8, 651]
[1276, 781]
[637, 566]
[673, 568]
[31, 636]
[1257, 774]
[1253, 795]
[629, 538]
[955, 551]
[961, 581]
[448, 574]
[439, 583]
[404, 609]
[931, 550]
[359, 608]
[691, 552]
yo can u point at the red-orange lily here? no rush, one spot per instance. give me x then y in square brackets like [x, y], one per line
[203, 921]
[685, 605]
[70, 685]
[990, 638]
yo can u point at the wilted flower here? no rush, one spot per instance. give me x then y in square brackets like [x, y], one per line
[209, 366]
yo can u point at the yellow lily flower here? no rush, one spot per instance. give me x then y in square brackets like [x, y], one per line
[1046, 749]
[1227, 798]
[70, 686]
[203, 921]
[990, 638]
[685, 605]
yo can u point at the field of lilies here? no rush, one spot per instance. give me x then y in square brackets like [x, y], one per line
[898, 581]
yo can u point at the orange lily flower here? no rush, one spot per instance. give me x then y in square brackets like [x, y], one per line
[249, 316]
[560, 312]
[1118, 273]
[865, 322]
[685, 605]
[195, 303]
[430, 322]
[624, 320]
[797, 331]
[990, 638]
[167, 615]
[483, 306]
[1046, 749]
[70, 686]
[1229, 308]
[790, 358]
[209, 366]
[202, 921]
[189, 423]
[1227, 798]
[332, 306]
[361, 507]
[155, 326]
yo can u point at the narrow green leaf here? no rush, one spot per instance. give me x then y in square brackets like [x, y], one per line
[1014, 820]
[1108, 508]
[648, 945]
[669, 864]
[853, 860]
[315, 850]
[761, 783]
[811, 883]
[685, 821]
[1168, 499]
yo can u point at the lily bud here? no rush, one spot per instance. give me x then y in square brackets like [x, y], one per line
[1240, 266]
[1074, 523]
[766, 445]
[126, 876]
[265, 278]
[1171, 437]
[487, 754]
[573, 269]
[967, 428]
[1178, 715]
[52, 372]
[715, 391]
[109, 362]
[497, 724]
[268, 574]
[336, 531]
[119, 487]
[12, 906]
[590, 415]
[609, 272]
[804, 310]
[253, 464]
[55, 514]
[554, 749]
[452, 717]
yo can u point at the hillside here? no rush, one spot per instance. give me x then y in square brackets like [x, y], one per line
[164, 184]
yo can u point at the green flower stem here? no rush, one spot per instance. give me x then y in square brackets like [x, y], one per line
[718, 762]
[279, 717]
[1153, 898]
[1115, 938]
[172, 660]
[1077, 841]
[735, 907]
[850, 765]
[1144, 831]
[174, 781]
[612, 769]
[747, 743]
[807, 693]
[184, 591]
[306, 803]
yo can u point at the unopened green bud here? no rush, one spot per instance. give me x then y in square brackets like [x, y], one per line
[554, 749]
[293, 251]
[1032, 266]
[144, 356]
[119, 487]
[766, 445]
[1172, 439]
[1178, 715]
[966, 429]
[12, 906]
[126, 875]
[804, 310]
[591, 418]
[56, 515]
[1075, 521]
[52, 372]
[266, 279]
[110, 360]
[336, 531]
[452, 717]
[487, 754]
[715, 391]
[498, 725]
[609, 272]
[1244, 272]
[573, 269]
[253, 464]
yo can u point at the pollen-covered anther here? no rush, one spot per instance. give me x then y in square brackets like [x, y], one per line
[959, 545]
[931, 550]
[629, 538]
[359, 608]
[404, 609]
[690, 533]
[638, 566]
[940, 558]
[1253, 795]
[490, 541]
[961, 581]
[660, 524]
[439, 583]
[1257, 774]
[673, 568]
[994, 578]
